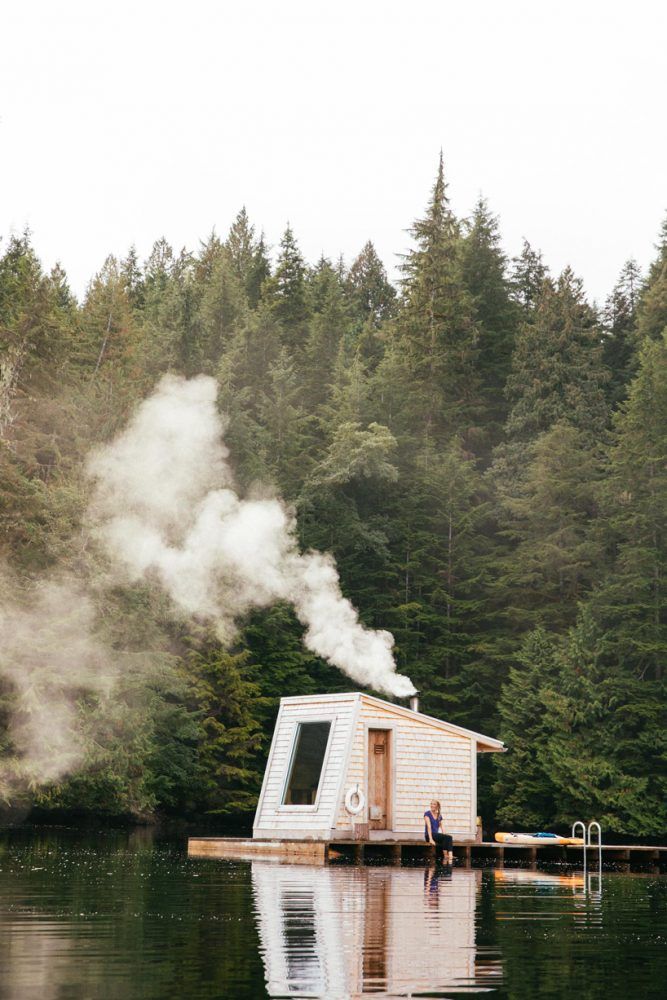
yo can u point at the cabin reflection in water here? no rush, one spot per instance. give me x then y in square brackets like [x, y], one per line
[343, 932]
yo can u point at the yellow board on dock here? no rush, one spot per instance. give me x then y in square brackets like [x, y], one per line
[530, 840]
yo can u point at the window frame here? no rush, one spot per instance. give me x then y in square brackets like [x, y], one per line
[287, 806]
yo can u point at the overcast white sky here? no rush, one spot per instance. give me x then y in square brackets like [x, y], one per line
[121, 122]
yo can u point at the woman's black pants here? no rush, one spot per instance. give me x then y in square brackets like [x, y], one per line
[443, 842]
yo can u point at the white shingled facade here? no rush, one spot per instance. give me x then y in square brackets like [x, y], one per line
[428, 759]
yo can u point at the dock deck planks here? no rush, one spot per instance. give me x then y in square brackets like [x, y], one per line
[322, 851]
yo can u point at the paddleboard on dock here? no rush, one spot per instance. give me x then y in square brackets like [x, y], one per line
[537, 839]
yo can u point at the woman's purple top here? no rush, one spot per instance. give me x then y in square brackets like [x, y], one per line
[435, 824]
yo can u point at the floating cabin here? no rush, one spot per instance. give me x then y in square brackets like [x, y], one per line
[354, 767]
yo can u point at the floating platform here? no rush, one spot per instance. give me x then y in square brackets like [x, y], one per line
[326, 851]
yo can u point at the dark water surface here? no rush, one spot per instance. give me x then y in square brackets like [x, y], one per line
[118, 915]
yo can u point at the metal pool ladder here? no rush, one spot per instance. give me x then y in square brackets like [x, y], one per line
[586, 837]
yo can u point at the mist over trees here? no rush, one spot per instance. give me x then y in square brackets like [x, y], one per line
[483, 450]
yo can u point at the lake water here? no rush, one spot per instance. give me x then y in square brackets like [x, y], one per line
[118, 915]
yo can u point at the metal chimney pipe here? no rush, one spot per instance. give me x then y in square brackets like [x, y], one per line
[414, 701]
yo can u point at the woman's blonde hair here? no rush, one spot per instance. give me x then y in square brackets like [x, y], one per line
[438, 805]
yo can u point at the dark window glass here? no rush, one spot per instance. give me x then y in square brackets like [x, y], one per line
[307, 758]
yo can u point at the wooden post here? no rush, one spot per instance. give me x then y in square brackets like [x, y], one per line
[395, 852]
[625, 859]
[654, 857]
[500, 856]
[358, 852]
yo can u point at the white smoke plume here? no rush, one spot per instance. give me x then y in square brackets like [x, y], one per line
[165, 507]
[49, 657]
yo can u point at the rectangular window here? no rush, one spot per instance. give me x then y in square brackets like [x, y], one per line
[303, 780]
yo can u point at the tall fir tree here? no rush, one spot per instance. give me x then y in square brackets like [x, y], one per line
[557, 369]
[524, 791]
[228, 697]
[329, 328]
[606, 751]
[652, 308]
[434, 340]
[483, 268]
[620, 338]
[157, 269]
[372, 296]
[440, 558]
[529, 272]
[259, 274]
[287, 291]
[241, 246]
[109, 330]
[31, 337]
[280, 409]
[222, 308]
[634, 597]
[581, 738]
[549, 515]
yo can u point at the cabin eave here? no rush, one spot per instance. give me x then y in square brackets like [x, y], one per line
[485, 744]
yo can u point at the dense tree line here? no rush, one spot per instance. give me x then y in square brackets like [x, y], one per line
[483, 450]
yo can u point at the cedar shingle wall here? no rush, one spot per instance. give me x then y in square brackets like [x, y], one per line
[429, 764]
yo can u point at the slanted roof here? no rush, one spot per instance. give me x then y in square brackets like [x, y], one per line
[485, 744]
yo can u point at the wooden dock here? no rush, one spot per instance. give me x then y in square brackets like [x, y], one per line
[624, 856]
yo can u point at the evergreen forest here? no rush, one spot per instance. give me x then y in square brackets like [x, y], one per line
[482, 449]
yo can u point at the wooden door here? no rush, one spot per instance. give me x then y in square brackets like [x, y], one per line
[379, 778]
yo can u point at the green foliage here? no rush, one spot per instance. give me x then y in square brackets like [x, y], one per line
[483, 455]
[580, 730]
[227, 777]
[557, 369]
[355, 453]
[525, 791]
[141, 749]
[633, 596]
[434, 337]
[329, 330]
[592, 754]
[621, 340]
[483, 270]
[652, 307]
[372, 297]
[222, 306]
[287, 291]
[549, 515]
[529, 274]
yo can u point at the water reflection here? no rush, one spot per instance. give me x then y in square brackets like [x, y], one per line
[122, 917]
[341, 932]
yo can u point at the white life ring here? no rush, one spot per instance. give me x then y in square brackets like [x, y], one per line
[354, 793]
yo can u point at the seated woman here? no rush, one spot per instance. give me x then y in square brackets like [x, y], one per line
[444, 846]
